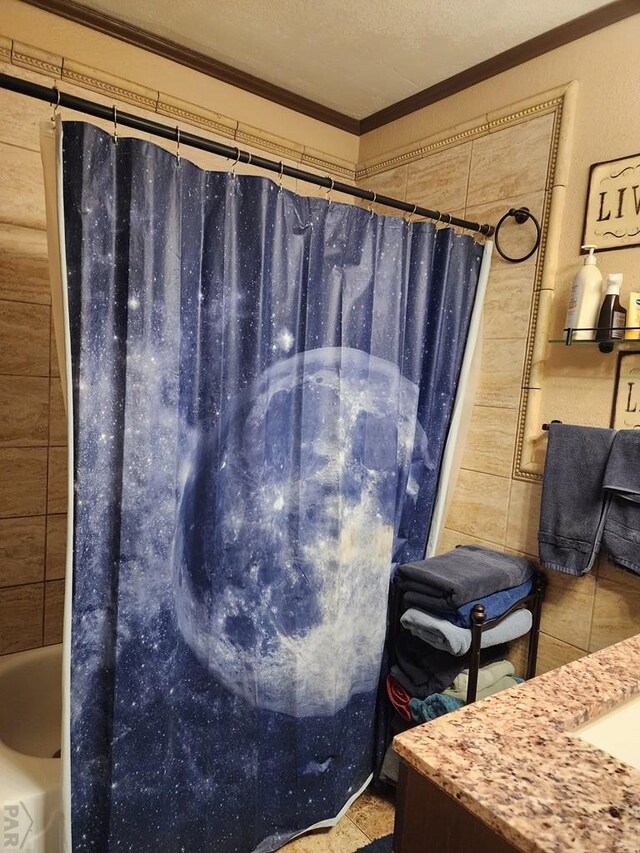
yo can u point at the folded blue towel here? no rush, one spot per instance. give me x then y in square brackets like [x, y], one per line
[495, 604]
[442, 634]
[423, 710]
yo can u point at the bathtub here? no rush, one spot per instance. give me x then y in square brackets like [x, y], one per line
[30, 727]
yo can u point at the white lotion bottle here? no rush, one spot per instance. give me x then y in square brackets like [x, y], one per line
[585, 298]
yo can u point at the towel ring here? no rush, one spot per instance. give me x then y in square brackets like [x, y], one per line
[520, 214]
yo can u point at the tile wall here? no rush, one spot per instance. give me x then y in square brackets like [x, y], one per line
[481, 179]
[32, 419]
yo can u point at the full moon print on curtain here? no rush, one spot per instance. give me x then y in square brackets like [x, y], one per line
[262, 388]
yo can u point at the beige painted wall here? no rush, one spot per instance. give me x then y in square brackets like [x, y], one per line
[585, 614]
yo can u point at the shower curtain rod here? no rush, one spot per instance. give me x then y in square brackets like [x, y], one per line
[56, 97]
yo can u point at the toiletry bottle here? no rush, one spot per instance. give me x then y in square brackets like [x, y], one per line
[633, 317]
[612, 317]
[585, 299]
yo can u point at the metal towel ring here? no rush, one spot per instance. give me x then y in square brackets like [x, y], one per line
[520, 214]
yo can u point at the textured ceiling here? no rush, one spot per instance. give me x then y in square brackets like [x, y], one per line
[355, 57]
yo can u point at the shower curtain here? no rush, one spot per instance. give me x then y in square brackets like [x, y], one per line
[261, 387]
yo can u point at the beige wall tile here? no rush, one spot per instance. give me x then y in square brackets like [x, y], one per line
[21, 610]
[24, 411]
[553, 653]
[24, 339]
[57, 415]
[23, 484]
[616, 613]
[507, 305]
[21, 178]
[24, 270]
[609, 571]
[490, 441]
[57, 487]
[53, 612]
[56, 546]
[513, 160]
[54, 368]
[373, 815]
[524, 517]
[450, 539]
[439, 181]
[21, 550]
[479, 506]
[21, 116]
[343, 838]
[501, 373]
[567, 608]
[392, 183]
[518, 654]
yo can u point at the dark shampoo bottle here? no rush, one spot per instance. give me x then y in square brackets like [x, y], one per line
[613, 317]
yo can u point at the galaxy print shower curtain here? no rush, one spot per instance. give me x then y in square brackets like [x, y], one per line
[262, 385]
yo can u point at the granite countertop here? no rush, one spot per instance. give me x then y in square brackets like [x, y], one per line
[511, 759]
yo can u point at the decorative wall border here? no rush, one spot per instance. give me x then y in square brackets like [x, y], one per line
[547, 102]
[66, 69]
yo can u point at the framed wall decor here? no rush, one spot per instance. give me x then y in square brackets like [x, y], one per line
[612, 214]
[625, 412]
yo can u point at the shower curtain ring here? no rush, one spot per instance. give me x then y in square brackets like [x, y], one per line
[372, 202]
[115, 125]
[280, 176]
[409, 215]
[56, 105]
[178, 143]
[330, 190]
[236, 161]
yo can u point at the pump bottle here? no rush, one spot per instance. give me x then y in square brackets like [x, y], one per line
[585, 298]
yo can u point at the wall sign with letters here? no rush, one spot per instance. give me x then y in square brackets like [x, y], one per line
[612, 215]
[625, 413]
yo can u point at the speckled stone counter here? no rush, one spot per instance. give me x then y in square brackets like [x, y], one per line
[511, 760]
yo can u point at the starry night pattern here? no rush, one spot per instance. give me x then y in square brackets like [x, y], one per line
[262, 388]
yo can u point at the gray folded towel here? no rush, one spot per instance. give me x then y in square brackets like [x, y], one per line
[621, 532]
[573, 505]
[448, 581]
[444, 635]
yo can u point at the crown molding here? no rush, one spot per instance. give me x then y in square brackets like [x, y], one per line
[195, 60]
[552, 39]
[565, 33]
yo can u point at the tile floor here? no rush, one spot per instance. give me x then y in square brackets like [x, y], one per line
[369, 818]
